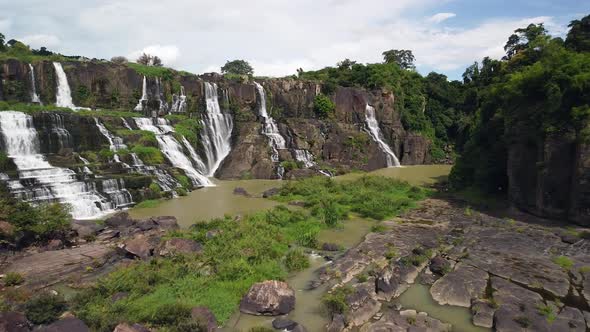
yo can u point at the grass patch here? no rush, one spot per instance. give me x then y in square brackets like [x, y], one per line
[13, 279]
[296, 260]
[565, 262]
[150, 203]
[548, 312]
[151, 71]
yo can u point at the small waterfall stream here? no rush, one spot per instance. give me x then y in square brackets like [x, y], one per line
[178, 102]
[63, 96]
[39, 181]
[270, 130]
[115, 142]
[217, 129]
[144, 96]
[375, 134]
[172, 149]
[34, 96]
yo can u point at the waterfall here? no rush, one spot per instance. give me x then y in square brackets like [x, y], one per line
[375, 134]
[159, 94]
[55, 130]
[63, 97]
[115, 142]
[179, 102]
[270, 130]
[305, 157]
[34, 96]
[217, 128]
[117, 193]
[126, 124]
[39, 181]
[172, 149]
[144, 96]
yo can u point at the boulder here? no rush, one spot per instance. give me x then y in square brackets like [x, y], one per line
[439, 265]
[140, 246]
[180, 246]
[483, 313]
[205, 317]
[271, 192]
[124, 327]
[54, 244]
[330, 247]
[337, 324]
[69, 324]
[146, 225]
[282, 323]
[241, 191]
[460, 286]
[14, 322]
[85, 228]
[119, 220]
[270, 298]
[167, 222]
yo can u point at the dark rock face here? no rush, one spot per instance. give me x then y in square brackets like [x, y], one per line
[70, 324]
[439, 265]
[271, 192]
[205, 317]
[241, 191]
[269, 298]
[14, 322]
[120, 219]
[283, 324]
[123, 327]
[180, 246]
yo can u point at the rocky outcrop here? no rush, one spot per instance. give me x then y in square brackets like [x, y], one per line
[69, 324]
[14, 322]
[269, 298]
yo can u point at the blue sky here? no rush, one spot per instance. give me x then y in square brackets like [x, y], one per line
[279, 36]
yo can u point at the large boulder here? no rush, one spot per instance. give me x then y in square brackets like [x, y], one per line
[166, 222]
[141, 246]
[205, 318]
[181, 246]
[14, 322]
[69, 324]
[119, 220]
[270, 298]
[124, 327]
[85, 228]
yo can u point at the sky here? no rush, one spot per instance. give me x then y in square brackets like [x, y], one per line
[279, 36]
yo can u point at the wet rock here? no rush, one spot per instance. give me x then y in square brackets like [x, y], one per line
[483, 313]
[108, 235]
[181, 246]
[330, 246]
[205, 317]
[70, 324]
[569, 238]
[146, 225]
[299, 328]
[241, 191]
[14, 322]
[337, 324]
[167, 222]
[282, 323]
[460, 286]
[123, 327]
[119, 220]
[396, 278]
[407, 320]
[270, 298]
[85, 228]
[141, 246]
[363, 303]
[439, 265]
[271, 192]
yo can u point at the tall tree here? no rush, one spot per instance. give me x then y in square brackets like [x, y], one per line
[521, 38]
[578, 38]
[404, 58]
[346, 64]
[238, 67]
[2, 38]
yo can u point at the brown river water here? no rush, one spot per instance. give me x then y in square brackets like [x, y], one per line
[213, 202]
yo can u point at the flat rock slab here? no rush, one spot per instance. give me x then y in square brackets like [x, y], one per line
[408, 320]
[460, 286]
[53, 266]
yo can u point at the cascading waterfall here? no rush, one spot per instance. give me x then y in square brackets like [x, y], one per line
[160, 95]
[34, 96]
[54, 132]
[305, 157]
[115, 142]
[63, 97]
[115, 189]
[179, 102]
[172, 149]
[270, 130]
[217, 129]
[375, 134]
[126, 124]
[39, 181]
[144, 96]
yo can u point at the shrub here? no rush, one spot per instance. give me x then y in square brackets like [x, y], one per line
[323, 106]
[119, 60]
[45, 308]
[379, 228]
[565, 262]
[335, 302]
[148, 154]
[289, 165]
[13, 279]
[296, 260]
[548, 312]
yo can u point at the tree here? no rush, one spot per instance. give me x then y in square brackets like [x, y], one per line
[2, 38]
[522, 37]
[323, 106]
[119, 59]
[149, 60]
[346, 64]
[156, 61]
[578, 38]
[237, 67]
[404, 58]
[43, 51]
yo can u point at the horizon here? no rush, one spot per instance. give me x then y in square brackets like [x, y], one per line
[445, 37]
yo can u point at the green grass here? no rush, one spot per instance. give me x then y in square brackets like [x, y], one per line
[565, 262]
[151, 71]
[150, 203]
[30, 108]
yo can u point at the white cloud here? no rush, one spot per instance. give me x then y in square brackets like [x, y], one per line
[5, 24]
[440, 17]
[168, 53]
[36, 41]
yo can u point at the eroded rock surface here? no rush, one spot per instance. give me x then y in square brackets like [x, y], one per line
[269, 298]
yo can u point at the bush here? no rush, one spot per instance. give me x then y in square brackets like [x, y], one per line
[296, 260]
[323, 106]
[149, 155]
[45, 308]
[13, 279]
[335, 302]
[119, 60]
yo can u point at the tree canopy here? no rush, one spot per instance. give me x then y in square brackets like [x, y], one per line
[149, 60]
[578, 38]
[404, 58]
[237, 67]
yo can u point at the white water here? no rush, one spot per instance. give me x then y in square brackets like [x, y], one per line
[117, 193]
[63, 97]
[144, 96]
[160, 95]
[375, 134]
[34, 96]
[270, 130]
[217, 129]
[126, 124]
[40, 181]
[58, 129]
[115, 142]
[172, 149]
[305, 157]
[179, 102]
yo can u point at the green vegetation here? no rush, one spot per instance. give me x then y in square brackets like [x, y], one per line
[370, 196]
[13, 279]
[296, 260]
[184, 126]
[237, 68]
[548, 312]
[335, 301]
[45, 308]
[565, 262]
[150, 203]
[323, 106]
[152, 71]
[149, 154]
[22, 52]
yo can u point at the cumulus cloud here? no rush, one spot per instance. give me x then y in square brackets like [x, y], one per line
[440, 17]
[39, 40]
[168, 53]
